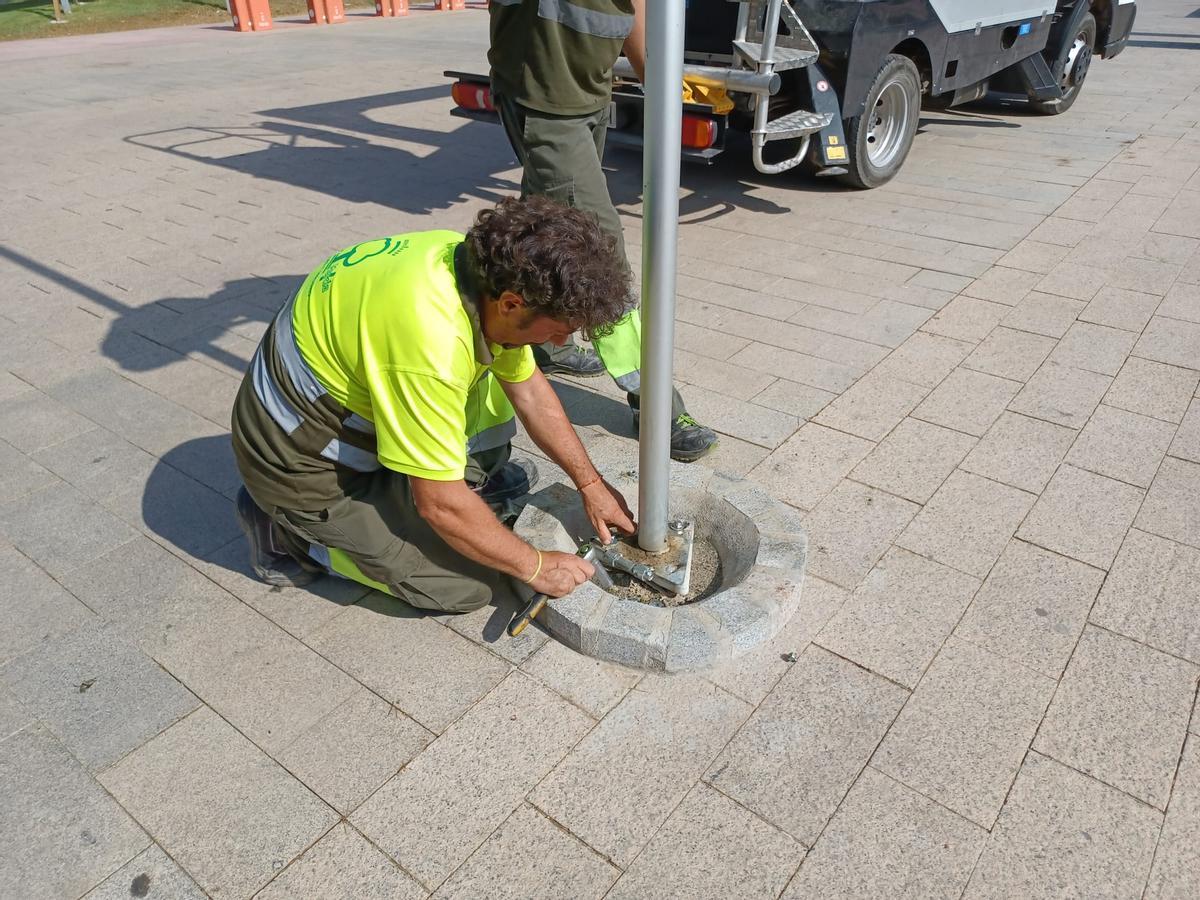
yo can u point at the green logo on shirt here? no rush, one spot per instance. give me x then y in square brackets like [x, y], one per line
[359, 253]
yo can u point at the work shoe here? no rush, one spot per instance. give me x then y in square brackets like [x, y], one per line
[570, 360]
[689, 439]
[511, 481]
[270, 562]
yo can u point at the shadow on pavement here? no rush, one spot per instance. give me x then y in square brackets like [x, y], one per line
[346, 149]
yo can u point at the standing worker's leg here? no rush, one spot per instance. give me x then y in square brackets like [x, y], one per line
[561, 157]
[570, 358]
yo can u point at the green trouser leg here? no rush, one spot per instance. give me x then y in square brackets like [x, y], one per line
[561, 158]
[375, 536]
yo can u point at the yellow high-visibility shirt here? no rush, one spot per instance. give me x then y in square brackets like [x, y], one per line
[384, 329]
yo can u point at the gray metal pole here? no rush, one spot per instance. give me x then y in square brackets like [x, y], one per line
[660, 238]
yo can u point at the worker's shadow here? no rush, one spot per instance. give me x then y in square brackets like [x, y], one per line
[198, 519]
[220, 330]
[373, 149]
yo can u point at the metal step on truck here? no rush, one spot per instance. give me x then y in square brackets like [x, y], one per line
[835, 87]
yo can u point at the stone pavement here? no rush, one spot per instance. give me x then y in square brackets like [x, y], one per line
[978, 384]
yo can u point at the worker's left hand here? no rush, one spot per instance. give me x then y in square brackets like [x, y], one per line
[605, 506]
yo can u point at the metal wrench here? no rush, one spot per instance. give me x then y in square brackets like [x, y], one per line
[538, 601]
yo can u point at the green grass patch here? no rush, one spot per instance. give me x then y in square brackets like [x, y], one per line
[22, 19]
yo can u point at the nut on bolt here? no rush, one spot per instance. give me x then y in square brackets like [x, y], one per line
[678, 526]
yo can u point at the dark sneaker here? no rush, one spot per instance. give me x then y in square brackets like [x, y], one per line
[514, 479]
[271, 564]
[689, 439]
[573, 360]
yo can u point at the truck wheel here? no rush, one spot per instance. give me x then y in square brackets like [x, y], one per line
[881, 137]
[1075, 68]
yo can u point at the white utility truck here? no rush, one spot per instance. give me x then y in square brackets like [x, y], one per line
[836, 86]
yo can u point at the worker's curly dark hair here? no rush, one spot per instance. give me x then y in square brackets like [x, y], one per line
[555, 257]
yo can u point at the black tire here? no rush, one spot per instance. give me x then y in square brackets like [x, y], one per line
[1076, 65]
[881, 137]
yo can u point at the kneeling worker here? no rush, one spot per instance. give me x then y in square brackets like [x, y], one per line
[373, 427]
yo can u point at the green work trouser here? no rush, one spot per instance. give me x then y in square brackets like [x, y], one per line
[375, 536]
[561, 157]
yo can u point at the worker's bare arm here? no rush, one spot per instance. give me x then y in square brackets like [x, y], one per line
[546, 421]
[466, 523]
[635, 44]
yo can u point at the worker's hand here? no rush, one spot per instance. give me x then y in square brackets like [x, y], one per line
[605, 506]
[561, 573]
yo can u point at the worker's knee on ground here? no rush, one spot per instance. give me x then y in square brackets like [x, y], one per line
[447, 595]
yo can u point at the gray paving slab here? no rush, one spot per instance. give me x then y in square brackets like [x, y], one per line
[1020, 451]
[20, 475]
[967, 523]
[896, 620]
[1172, 507]
[97, 692]
[98, 462]
[1061, 394]
[1072, 280]
[62, 833]
[711, 847]
[1186, 443]
[433, 814]
[1152, 389]
[889, 841]
[13, 716]
[872, 407]
[1064, 834]
[1044, 314]
[345, 866]
[924, 359]
[796, 758]
[356, 747]
[961, 737]
[1093, 348]
[914, 460]
[60, 529]
[1002, 284]
[187, 441]
[1032, 607]
[1129, 310]
[562, 867]
[1008, 353]
[790, 396]
[1082, 515]
[298, 611]
[390, 648]
[850, 529]
[810, 464]
[1176, 871]
[1171, 341]
[1120, 714]
[177, 511]
[1122, 445]
[31, 421]
[1182, 301]
[34, 605]
[755, 673]
[151, 874]
[966, 319]
[623, 780]
[968, 401]
[222, 809]
[591, 684]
